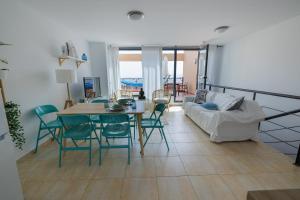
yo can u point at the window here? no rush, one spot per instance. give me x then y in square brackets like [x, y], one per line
[131, 71]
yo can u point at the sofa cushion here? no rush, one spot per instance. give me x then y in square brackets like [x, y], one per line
[210, 96]
[223, 100]
[236, 104]
[200, 96]
[210, 106]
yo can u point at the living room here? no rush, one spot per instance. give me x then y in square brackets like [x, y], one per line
[244, 49]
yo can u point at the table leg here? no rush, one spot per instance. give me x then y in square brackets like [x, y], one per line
[139, 122]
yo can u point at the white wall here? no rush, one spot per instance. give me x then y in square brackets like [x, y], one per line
[266, 60]
[98, 64]
[213, 64]
[32, 60]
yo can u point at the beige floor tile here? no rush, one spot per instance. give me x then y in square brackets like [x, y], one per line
[242, 166]
[248, 147]
[169, 166]
[278, 180]
[240, 184]
[33, 190]
[183, 129]
[224, 164]
[175, 188]
[191, 149]
[141, 168]
[111, 168]
[191, 137]
[122, 152]
[276, 162]
[139, 188]
[106, 189]
[211, 187]
[198, 165]
[42, 170]
[65, 189]
[157, 150]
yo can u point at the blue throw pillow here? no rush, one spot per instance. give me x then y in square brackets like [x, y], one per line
[210, 106]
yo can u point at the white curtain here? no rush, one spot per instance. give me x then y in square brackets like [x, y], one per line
[113, 69]
[152, 67]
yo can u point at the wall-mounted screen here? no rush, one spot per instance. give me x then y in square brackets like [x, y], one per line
[92, 87]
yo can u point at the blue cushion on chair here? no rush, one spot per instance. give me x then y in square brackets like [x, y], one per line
[210, 106]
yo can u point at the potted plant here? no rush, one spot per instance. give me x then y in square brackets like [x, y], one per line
[16, 130]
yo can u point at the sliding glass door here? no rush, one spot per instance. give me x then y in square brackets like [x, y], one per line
[180, 75]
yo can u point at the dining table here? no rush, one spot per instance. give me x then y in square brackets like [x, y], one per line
[103, 108]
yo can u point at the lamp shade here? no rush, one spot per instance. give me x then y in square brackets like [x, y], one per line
[3, 73]
[65, 76]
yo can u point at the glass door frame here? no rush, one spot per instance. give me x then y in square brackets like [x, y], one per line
[175, 49]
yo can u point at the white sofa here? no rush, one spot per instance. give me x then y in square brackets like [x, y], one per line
[222, 125]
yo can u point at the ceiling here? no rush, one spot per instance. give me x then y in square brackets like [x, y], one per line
[166, 22]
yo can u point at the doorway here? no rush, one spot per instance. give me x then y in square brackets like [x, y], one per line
[180, 72]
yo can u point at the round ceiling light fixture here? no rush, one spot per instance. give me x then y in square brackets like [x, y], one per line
[135, 15]
[221, 29]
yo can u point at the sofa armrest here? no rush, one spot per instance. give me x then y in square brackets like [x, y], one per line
[188, 99]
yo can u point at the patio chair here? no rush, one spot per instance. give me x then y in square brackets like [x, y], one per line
[122, 94]
[161, 97]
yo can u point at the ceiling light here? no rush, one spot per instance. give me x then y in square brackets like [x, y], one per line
[221, 29]
[135, 15]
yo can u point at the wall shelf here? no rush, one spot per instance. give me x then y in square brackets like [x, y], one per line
[78, 61]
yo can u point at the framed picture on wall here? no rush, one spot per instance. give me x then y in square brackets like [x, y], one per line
[92, 87]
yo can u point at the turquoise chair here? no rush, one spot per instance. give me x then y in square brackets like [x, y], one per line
[95, 118]
[133, 119]
[51, 126]
[153, 122]
[76, 128]
[115, 126]
[99, 101]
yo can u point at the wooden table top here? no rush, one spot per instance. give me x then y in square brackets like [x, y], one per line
[99, 108]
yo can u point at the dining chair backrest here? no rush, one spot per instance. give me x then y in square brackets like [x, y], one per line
[160, 108]
[69, 121]
[44, 110]
[99, 101]
[114, 118]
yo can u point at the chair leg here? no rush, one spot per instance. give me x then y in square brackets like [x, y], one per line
[60, 152]
[100, 156]
[90, 151]
[53, 138]
[162, 130]
[148, 136]
[160, 134]
[134, 127]
[37, 141]
[131, 138]
[129, 150]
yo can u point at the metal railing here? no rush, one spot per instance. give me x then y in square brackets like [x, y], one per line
[282, 114]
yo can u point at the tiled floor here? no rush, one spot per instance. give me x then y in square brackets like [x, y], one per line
[194, 168]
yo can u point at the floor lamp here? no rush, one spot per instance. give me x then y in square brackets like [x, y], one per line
[67, 76]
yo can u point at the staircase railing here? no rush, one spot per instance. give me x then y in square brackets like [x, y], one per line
[282, 113]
